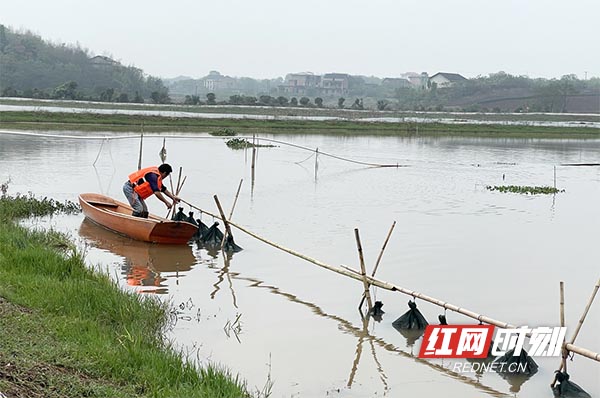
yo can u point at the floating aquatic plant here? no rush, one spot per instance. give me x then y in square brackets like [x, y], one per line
[242, 143]
[527, 190]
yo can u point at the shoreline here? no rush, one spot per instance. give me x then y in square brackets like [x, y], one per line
[68, 330]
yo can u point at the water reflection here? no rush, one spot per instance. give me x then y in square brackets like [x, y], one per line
[146, 265]
[363, 334]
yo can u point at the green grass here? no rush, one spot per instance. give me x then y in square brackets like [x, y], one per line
[66, 330]
[115, 122]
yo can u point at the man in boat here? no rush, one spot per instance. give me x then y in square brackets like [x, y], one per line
[145, 183]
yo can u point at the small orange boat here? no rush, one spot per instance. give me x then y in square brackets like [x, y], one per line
[116, 216]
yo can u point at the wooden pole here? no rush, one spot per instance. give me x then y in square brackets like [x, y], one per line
[587, 308]
[163, 151]
[554, 177]
[181, 186]
[363, 272]
[252, 164]
[565, 353]
[570, 346]
[141, 146]
[379, 257]
[227, 228]
[236, 198]
[316, 162]
[383, 248]
[174, 191]
[179, 178]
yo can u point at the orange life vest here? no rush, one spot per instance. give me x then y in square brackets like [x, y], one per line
[140, 185]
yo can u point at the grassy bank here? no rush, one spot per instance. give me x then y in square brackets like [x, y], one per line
[302, 111]
[120, 123]
[67, 331]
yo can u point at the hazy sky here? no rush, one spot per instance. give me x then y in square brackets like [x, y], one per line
[269, 38]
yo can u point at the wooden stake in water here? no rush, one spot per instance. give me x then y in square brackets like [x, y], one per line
[363, 272]
[565, 353]
[379, 258]
[582, 319]
[316, 162]
[227, 228]
[141, 146]
[236, 198]
[163, 151]
[555, 178]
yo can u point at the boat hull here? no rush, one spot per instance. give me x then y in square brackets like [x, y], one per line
[116, 216]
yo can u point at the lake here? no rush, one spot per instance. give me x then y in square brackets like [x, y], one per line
[274, 318]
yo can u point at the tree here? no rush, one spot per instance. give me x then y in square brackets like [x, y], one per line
[3, 39]
[9, 92]
[138, 99]
[210, 98]
[160, 97]
[304, 101]
[294, 101]
[107, 94]
[358, 104]
[382, 104]
[341, 102]
[282, 101]
[319, 102]
[123, 97]
[265, 99]
[65, 91]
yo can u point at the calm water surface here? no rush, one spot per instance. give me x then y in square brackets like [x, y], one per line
[501, 255]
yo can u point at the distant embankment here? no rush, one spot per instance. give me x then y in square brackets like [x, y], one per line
[523, 99]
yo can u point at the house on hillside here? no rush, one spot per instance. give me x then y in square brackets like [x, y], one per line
[395, 82]
[334, 84]
[300, 83]
[420, 81]
[442, 79]
[215, 81]
[100, 61]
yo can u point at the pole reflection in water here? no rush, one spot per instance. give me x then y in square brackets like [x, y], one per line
[362, 333]
[146, 265]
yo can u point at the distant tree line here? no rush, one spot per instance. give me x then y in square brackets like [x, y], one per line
[499, 92]
[34, 68]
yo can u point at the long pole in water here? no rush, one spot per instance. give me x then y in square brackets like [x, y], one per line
[395, 288]
[363, 272]
[141, 146]
[387, 239]
[236, 198]
[580, 324]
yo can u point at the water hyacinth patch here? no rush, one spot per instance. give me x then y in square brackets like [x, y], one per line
[527, 190]
[242, 143]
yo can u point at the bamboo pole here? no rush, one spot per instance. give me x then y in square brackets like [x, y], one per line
[181, 186]
[227, 228]
[363, 272]
[565, 353]
[395, 288]
[387, 239]
[236, 198]
[573, 348]
[163, 151]
[141, 146]
[585, 312]
[179, 177]
[380, 256]
[316, 162]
